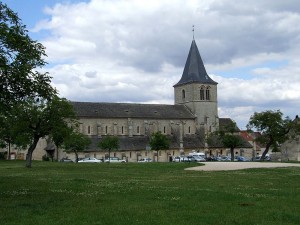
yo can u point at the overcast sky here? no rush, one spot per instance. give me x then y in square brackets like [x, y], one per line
[135, 50]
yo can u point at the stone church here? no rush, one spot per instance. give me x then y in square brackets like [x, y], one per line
[186, 123]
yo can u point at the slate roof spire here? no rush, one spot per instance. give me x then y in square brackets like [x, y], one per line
[194, 70]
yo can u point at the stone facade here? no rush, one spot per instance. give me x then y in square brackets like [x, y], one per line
[290, 150]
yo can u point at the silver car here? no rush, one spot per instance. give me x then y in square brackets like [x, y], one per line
[145, 160]
[90, 160]
[115, 160]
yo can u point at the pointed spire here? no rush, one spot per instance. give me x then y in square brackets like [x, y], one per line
[194, 70]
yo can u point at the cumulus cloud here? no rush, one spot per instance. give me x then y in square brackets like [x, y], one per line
[134, 51]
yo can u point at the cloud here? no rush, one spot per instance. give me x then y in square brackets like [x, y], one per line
[134, 51]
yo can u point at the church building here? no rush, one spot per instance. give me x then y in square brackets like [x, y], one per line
[186, 123]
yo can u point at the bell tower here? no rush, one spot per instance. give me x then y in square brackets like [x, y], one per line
[198, 92]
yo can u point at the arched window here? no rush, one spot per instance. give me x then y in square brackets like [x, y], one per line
[201, 93]
[183, 95]
[207, 93]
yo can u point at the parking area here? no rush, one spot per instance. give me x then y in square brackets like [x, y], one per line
[221, 166]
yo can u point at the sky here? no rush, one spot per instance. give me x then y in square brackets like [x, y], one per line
[134, 50]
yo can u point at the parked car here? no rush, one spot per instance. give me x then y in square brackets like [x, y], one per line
[225, 158]
[115, 160]
[242, 159]
[267, 158]
[90, 160]
[66, 160]
[211, 158]
[177, 159]
[190, 158]
[199, 158]
[145, 160]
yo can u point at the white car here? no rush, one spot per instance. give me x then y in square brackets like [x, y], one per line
[115, 160]
[145, 160]
[90, 160]
[199, 158]
[181, 159]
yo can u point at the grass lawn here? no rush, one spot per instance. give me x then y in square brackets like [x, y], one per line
[145, 193]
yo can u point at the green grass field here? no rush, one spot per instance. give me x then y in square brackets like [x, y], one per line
[150, 193]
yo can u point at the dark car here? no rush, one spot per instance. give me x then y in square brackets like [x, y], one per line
[190, 158]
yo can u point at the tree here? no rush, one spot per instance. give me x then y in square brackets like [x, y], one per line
[158, 142]
[19, 58]
[109, 143]
[76, 142]
[227, 135]
[38, 118]
[61, 134]
[273, 127]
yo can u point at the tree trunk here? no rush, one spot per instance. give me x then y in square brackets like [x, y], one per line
[57, 154]
[9, 157]
[76, 156]
[30, 151]
[262, 158]
[232, 154]
[109, 155]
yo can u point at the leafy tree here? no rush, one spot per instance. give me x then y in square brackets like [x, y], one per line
[158, 142]
[38, 118]
[273, 127]
[109, 143]
[61, 134]
[76, 142]
[229, 137]
[6, 133]
[19, 58]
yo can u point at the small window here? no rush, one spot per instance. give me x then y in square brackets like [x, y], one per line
[207, 94]
[106, 129]
[201, 94]
[122, 130]
[89, 129]
[189, 130]
[183, 95]
[138, 129]
[164, 130]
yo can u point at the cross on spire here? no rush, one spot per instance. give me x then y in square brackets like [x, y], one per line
[193, 32]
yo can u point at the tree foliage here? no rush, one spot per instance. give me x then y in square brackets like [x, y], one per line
[35, 119]
[274, 129]
[229, 137]
[109, 143]
[20, 56]
[158, 142]
[76, 142]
